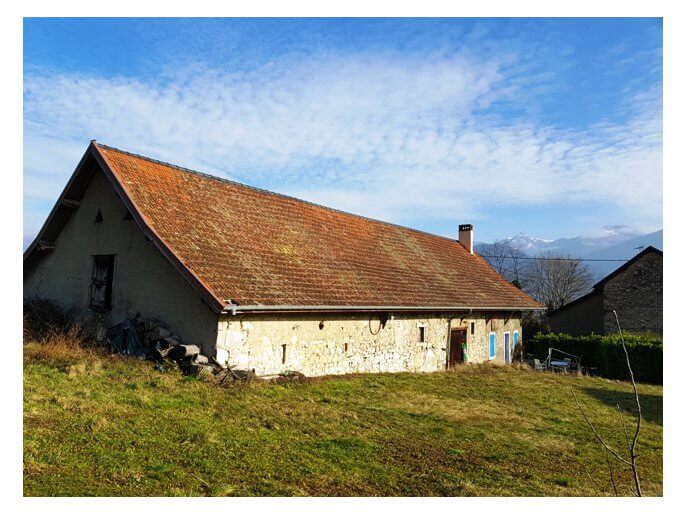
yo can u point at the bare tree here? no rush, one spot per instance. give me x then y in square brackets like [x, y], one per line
[506, 259]
[496, 254]
[520, 266]
[556, 278]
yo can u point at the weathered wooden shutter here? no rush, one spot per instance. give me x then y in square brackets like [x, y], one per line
[101, 281]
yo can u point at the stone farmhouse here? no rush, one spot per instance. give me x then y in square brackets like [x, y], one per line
[634, 291]
[266, 281]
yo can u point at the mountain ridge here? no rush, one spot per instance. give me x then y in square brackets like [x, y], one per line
[618, 243]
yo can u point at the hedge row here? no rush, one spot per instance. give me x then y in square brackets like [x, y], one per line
[605, 353]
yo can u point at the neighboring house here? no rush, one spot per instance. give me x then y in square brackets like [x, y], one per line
[634, 291]
[277, 282]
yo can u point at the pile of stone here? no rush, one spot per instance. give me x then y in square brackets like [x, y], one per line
[148, 338]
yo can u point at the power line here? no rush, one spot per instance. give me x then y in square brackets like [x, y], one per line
[551, 258]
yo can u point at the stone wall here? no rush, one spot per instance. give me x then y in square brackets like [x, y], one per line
[339, 344]
[636, 295]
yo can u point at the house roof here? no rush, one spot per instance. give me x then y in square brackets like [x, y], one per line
[598, 287]
[648, 250]
[247, 249]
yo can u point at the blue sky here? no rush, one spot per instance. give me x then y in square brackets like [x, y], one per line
[547, 126]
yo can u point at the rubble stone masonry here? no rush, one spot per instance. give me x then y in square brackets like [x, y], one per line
[338, 343]
[636, 295]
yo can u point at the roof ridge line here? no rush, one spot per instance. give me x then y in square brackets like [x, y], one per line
[262, 190]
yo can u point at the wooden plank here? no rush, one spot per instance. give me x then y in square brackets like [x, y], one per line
[45, 245]
[67, 202]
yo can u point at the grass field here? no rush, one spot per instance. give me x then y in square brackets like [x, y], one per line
[102, 425]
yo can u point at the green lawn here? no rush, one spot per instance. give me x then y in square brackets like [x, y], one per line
[101, 425]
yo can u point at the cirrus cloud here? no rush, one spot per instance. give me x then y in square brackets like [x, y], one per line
[396, 137]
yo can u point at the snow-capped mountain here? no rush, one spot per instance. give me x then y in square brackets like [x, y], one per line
[529, 244]
[613, 242]
[579, 246]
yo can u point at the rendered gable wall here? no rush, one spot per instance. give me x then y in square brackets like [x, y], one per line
[144, 281]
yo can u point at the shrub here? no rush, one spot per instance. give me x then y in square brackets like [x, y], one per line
[43, 317]
[605, 353]
[51, 334]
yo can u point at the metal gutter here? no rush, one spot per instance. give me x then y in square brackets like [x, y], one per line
[236, 308]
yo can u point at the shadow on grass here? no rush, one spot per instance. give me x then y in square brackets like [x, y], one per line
[651, 405]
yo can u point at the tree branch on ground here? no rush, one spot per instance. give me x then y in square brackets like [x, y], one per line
[631, 462]
[632, 447]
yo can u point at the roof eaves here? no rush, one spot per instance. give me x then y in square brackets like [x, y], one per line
[235, 308]
[58, 205]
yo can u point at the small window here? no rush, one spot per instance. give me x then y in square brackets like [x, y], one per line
[98, 217]
[471, 327]
[283, 354]
[345, 347]
[422, 334]
[101, 282]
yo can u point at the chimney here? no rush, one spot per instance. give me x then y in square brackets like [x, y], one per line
[466, 237]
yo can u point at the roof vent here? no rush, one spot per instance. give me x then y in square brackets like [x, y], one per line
[466, 237]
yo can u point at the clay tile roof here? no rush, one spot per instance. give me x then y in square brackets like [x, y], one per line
[253, 247]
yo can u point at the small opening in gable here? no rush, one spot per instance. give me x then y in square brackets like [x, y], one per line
[98, 217]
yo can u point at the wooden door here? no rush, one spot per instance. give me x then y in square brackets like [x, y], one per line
[458, 338]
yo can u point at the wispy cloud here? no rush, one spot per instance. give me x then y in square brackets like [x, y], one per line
[395, 136]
